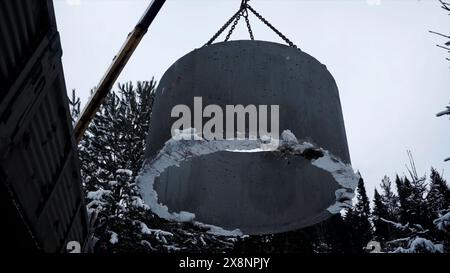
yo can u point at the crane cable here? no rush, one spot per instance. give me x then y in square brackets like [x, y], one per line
[243, 12]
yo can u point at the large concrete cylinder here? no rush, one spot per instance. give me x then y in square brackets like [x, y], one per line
[261, 192]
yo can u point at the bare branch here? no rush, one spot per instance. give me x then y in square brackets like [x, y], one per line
[406, 239]
[446, 48]
[445, 5]
[440, 34]
[414, 229]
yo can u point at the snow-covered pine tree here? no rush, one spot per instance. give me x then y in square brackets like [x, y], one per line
[379, 212]
[404, 190]
[385, 210]
[439, 194]
[413, 206]
[419, 207]
[111, 155]
[438, 198]
[445, 46]
[422, 225]
[402, 231]
[389, 199]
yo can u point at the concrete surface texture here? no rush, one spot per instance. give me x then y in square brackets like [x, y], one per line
[258, 193]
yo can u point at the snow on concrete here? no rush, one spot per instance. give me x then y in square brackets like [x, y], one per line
[186, 144]
[342, 173]
[343, 200]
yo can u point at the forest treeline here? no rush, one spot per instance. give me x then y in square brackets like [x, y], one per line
[406, 214]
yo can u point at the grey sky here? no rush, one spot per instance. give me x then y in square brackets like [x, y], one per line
[391, 77]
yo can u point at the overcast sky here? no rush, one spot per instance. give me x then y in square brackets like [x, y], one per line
[391, 76]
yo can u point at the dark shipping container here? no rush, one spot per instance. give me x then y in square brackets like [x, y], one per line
[41, 195]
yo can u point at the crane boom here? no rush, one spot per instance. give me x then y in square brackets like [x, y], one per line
[116, 67]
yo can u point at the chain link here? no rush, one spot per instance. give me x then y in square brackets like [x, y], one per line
[243, 12]
[222, 28]
[260, 17]
[250, 32]
[233, 26]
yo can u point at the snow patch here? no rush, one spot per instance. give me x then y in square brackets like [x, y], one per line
[342, 173]
[98, 194]
[187, 134]
[139, 203]
[171, 248]
[147, 244]
[443, 223]
[343, 200]
[157, 232]
[421, 245]
[114, 238]
[125, 171]
[215, 230]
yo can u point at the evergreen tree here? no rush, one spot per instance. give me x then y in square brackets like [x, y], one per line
[379, 214]
[391, 202]
[419, 209]
[357, 219]
[404, 197]
[335, 235]
[362, 206]
[329, 236]
[389, 199]
[413, 207]
[385, 209]
[111, 155]
[419, 230]
[438, 195]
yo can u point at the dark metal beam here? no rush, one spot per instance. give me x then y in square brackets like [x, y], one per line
[114, 70]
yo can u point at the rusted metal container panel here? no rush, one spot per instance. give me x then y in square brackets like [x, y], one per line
[38, 159]
[262, 192]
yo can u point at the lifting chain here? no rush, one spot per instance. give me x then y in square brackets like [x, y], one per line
[272, 27]
[243, 12]
[249, 28]
[233, 26]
